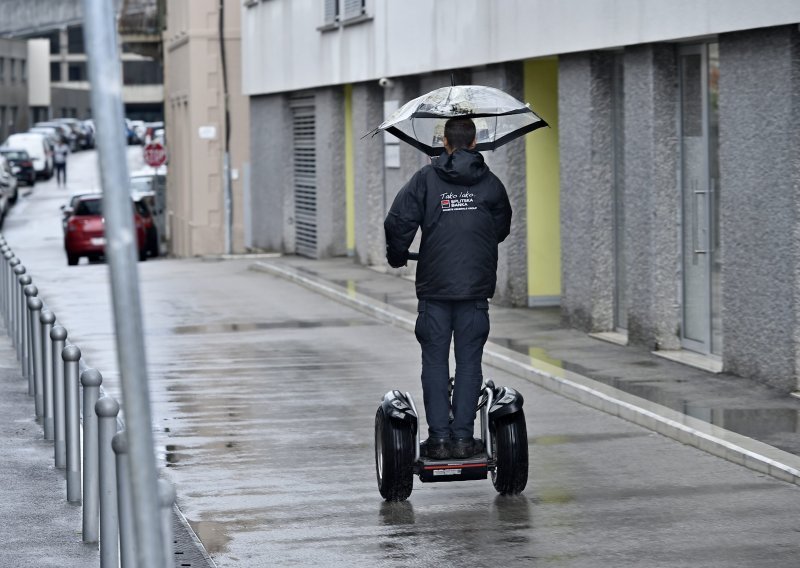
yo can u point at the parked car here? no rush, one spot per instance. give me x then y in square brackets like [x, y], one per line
[8, 186]
[66, 132]
[81, 134]
[38, 148]
[52, 133]
[21, 166]
[84, 233]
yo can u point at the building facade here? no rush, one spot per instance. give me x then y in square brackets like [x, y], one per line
[661, 209]
[13, 87]
[62, 24]
[202, 126]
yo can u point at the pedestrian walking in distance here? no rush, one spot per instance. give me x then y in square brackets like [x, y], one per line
[60, 153]
[464, 212]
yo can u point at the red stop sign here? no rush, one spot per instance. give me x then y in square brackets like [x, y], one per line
[155, 154]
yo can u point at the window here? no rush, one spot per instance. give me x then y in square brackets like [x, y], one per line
[343, 13]
[77, 71]
[353, 8]
[2, 70]
[75, 39]
[13, 66]
[147, 72]
[23, 70]
[55, 71]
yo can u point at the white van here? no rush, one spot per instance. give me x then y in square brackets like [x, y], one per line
[38, 148]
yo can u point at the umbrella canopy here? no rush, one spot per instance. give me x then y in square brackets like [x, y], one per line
[499, 118]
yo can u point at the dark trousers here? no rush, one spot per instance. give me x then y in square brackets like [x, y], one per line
[467, 323]
[61, 171]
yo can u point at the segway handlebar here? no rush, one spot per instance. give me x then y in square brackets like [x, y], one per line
[413, 256]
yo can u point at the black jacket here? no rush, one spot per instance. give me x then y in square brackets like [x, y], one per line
[464, 213]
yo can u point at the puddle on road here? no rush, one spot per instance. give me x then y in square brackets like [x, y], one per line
[256, 326]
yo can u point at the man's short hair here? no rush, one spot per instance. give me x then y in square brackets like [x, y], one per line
[460, 132]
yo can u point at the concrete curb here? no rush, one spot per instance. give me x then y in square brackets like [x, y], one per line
[728, 445]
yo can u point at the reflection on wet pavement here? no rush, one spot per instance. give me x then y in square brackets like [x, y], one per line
[255, 326]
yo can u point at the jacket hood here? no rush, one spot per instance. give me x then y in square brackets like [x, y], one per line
[462, 167]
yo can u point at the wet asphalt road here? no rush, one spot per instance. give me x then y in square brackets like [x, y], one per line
[264, 397]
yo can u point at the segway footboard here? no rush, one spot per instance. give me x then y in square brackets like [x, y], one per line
[436, 471]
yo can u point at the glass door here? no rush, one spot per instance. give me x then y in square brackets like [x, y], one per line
[698, 68]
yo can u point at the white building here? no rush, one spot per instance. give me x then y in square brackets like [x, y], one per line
[662, 204]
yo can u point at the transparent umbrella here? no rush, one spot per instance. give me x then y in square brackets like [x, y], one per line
[499, 118]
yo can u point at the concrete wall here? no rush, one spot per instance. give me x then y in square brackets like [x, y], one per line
[271, 196]
[195, 98]
[13, 93]
[652, 196]
[419, 36]
[331, 216]
[587, 190]
[760, 192]
[368, 161]
[508, 164]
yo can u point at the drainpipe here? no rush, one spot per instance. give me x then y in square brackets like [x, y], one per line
[226, 156]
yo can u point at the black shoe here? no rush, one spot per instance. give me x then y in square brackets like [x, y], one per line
[435, 448]
[465, 447]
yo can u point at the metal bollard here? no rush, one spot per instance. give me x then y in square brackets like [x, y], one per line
[127, 536]
[19, 272]
[24, 282]
[107, 409]
[35, 313]
[71, 356]
[59, 337]
[12, 276]
[166, 498]
[91, 379]
[29, 291]
[46, 320]
[22, 326]
[5, 252]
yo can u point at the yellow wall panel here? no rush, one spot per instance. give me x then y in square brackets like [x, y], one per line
[542, 174]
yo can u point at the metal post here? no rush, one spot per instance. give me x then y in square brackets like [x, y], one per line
[19, 273]
[107, 409]
[46, 320]
[58, 335]
[35, 313]
[7, 255]
[166, 498]
[91, 379]
[71, 356]
[13, 262]
[30, 291]
[127, 537]
[106, 90]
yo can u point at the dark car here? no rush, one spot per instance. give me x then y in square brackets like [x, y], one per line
[21, 165]
[84, 233]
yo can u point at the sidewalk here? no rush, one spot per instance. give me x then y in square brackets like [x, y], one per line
[735, 418]
[39, 528]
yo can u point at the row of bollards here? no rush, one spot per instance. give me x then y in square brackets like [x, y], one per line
[97, 475]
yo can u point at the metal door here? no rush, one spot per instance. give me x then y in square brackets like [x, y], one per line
[304, 156]
[699, 71]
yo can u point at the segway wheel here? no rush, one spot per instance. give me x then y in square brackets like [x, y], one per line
[394, 457]
[511, 447]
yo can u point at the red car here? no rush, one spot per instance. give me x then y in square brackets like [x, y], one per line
[84, 230]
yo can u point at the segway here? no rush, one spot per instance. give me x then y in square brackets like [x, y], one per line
[505, 437]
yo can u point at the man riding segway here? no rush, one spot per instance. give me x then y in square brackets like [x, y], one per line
[464, 212]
